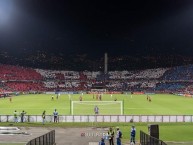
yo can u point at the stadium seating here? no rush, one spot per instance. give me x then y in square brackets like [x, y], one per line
[16, 78]
[25, 86]
[179, 73]
[9, 72]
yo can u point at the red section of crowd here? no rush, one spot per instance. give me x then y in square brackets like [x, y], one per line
[1, 90]
[25, 86]
[9, 72]
[16, 78]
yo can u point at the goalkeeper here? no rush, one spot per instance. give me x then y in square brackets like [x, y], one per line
[96, 110]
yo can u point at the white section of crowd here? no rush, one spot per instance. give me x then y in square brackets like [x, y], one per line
[52, 74]
[73, 76]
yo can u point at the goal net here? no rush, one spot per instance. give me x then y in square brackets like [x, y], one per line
[105, 107]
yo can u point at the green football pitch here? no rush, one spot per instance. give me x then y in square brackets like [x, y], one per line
[161, 104]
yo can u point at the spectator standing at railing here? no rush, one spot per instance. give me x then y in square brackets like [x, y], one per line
[43, 117]
[15, 114]
[55, 113]
[22, 115]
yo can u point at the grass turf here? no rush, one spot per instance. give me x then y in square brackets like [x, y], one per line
[161, 104]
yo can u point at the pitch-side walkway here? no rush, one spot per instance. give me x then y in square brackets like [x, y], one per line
[64, 136]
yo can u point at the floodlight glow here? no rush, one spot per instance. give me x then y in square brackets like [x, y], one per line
[6, 11]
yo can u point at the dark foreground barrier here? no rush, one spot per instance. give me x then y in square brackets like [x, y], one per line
[46, 139]
[146, 139]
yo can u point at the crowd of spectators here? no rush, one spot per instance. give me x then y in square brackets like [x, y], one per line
[25, 86]
[173, 86]
[58, 75]
[1, 90]
[16, 78]
[9, 72]
[145, 74]
[180, 73]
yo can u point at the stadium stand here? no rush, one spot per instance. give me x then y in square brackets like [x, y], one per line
[179, 73]
[16, 78]
[25, 86]
[9, 72]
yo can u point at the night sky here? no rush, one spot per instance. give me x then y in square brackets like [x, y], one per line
[94, 27]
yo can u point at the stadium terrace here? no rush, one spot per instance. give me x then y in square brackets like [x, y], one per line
[28, 80]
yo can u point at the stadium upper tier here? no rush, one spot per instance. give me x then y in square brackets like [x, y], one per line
[16, 78]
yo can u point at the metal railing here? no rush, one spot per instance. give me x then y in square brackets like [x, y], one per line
[103, 118]
[146, 139]
[46, 139]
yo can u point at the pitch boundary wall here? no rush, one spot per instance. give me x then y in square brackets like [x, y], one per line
[103, 118]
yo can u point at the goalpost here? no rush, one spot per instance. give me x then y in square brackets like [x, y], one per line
[105, 107]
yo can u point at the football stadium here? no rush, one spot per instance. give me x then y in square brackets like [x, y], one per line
[96, 72]
[124, 98]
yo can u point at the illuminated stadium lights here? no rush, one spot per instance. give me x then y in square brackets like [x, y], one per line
[7, 9]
